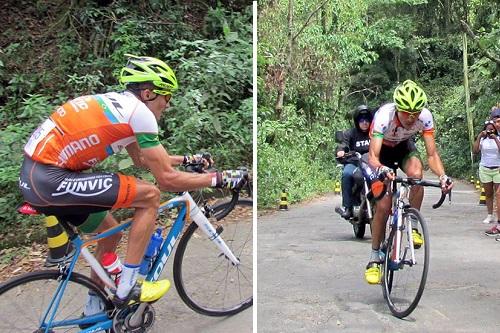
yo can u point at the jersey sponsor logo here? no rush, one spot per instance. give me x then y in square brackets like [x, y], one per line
[115, 103]
[78, 145]
[24, 184]
[80, 103]
[91, 163]
[85, 187]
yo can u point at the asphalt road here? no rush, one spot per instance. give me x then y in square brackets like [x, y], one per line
[310, 272]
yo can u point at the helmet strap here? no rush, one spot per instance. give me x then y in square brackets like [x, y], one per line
[149, 99]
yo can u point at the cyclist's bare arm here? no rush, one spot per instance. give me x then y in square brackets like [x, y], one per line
[374, 151]
[433, 158]
[135, 153]
[169, 179]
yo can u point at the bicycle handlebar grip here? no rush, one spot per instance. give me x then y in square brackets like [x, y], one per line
[195, 167]
[440, 202]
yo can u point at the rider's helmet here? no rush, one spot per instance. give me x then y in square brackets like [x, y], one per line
[361, 112]
[409, 97]
[148, 69]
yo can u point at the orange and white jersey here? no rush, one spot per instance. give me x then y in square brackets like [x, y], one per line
[88, 129]
[386, 125]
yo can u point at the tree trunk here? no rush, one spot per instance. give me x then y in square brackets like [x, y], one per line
[287, 69]
[470, 123]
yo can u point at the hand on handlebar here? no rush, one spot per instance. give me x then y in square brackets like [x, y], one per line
[446, 183]
[231, 179]
[385, 173]
[202, 159]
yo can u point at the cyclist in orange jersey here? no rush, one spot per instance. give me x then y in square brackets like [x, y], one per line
[85, 131]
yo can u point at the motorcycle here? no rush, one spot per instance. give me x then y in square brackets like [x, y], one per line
[363, 199]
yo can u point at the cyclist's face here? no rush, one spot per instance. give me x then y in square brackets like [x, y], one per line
[159, 104]
[408, 119]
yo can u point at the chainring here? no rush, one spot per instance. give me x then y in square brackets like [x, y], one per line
[122, 317]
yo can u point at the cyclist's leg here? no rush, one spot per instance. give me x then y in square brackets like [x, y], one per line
[146, 203]
[373, 272]
[381, 214]
[107, 244]
[388, 155]
[412, 167]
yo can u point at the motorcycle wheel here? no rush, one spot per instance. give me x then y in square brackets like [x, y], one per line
[359, 229]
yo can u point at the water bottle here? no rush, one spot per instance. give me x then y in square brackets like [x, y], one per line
[112, 264]
[151, 252]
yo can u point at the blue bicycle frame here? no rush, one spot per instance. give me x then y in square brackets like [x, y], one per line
[186, 204]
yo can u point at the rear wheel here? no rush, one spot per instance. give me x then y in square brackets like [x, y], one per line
[25, 300]
[405, 275]
[205, 279]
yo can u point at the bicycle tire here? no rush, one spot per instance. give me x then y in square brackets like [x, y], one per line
[199, 274]
[359, 228]
[397, 287]
[25, 299]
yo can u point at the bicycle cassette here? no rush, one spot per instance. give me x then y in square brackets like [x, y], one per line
[122, 324]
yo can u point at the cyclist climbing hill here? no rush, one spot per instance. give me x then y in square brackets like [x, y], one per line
[88, 129]
[393, 126]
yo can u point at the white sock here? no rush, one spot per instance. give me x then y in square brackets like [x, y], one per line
[128, 279]
[375, 255]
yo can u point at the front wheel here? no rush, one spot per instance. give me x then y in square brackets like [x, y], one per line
[205, 279]
[405, 272]
[25, 300]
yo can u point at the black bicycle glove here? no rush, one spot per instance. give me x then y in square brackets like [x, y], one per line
[200, 158]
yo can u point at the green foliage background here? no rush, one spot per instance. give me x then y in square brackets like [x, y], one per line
[51, 51]
[328, 56]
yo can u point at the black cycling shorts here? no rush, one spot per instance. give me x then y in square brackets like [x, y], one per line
[71, 195]
[400, 153]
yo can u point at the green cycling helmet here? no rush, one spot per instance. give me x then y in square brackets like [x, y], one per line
[409, 97]
[148, 69]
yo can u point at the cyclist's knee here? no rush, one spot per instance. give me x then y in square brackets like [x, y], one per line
[152, 197]
[148, 196]
[415, 173]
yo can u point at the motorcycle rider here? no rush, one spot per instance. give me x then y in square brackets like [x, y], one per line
[354, 139]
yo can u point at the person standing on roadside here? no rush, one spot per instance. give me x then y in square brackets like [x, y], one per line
[488, 144]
